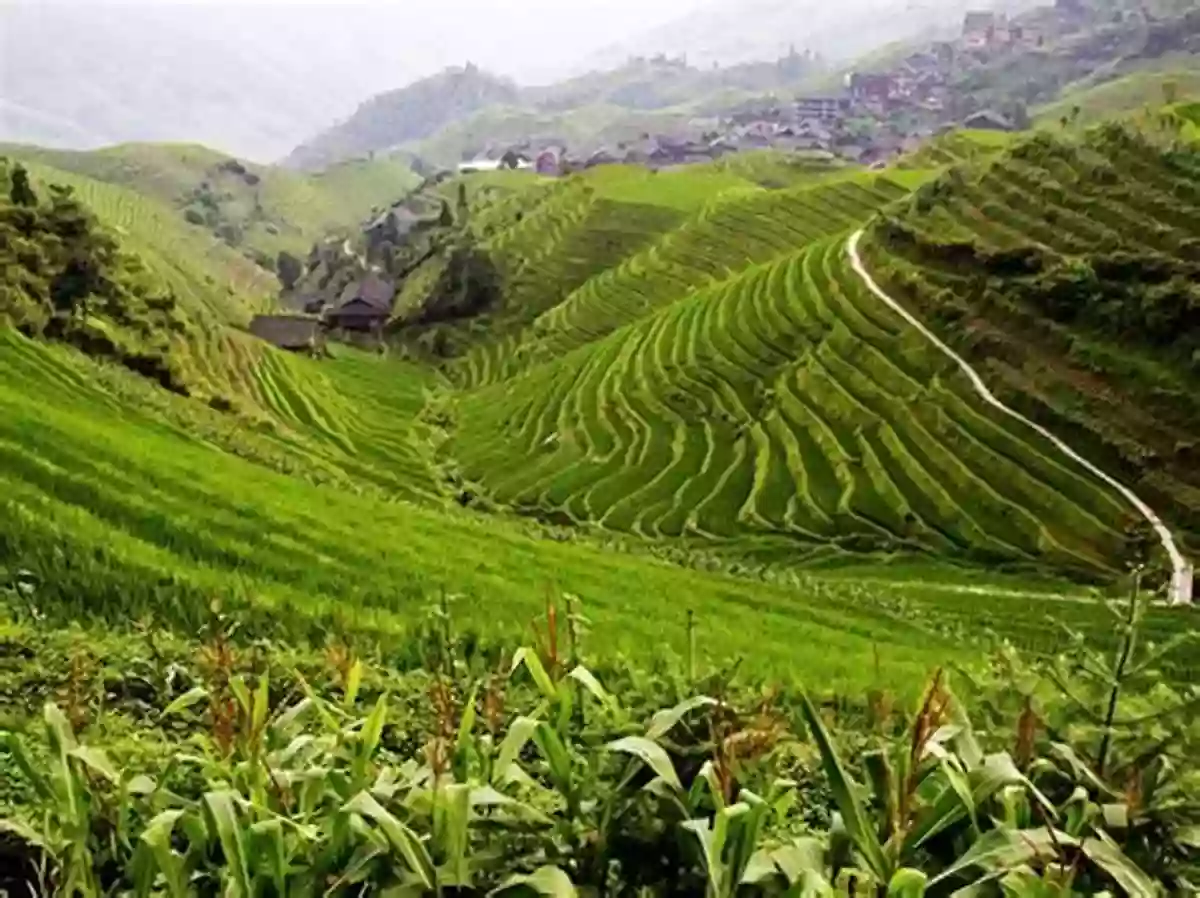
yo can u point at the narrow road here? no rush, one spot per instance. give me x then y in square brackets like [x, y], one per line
[1181, 581]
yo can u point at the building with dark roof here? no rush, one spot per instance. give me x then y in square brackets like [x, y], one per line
[365, 305]
[294, 332]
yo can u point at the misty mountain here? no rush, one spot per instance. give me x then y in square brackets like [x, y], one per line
[81, 75]
[734, 31]
[406, 114]
[256, 78]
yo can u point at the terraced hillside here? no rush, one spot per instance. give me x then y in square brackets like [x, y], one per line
[261, 209]
[726, 231]
[542, 239]
[783, 407]
[692, 373]
[1068, 269]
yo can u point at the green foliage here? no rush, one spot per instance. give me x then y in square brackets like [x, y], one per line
[686, 394]
[1071, 262]
[67, 279]
[289, 268]
[532, 776]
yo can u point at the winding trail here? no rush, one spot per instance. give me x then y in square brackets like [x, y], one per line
[1181, 580]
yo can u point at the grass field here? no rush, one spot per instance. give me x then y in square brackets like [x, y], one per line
[1138, 92]
[685, 401]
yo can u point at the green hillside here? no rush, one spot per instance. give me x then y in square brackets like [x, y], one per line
[258, 210]
[1133, 93]
[682, 397]
[775, 404]
[1068, 268]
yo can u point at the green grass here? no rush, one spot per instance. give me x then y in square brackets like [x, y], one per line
[684, 383]
[118, 506]
[1119, 399]
[1138, 92]
[282, 210]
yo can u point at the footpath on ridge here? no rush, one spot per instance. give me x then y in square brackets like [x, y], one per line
[1181, 579]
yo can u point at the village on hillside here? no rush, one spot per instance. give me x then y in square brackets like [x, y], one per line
[875, 116]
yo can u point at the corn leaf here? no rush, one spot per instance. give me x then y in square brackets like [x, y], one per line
[372, 730]
[222, 812]
[1000, 849]
[262, 704]
[1105, 854]
[800, 858]
[558, 759]
[467, 725]
[353, 682]
[548, 881]
[399, 836]
[237, 685]
[907, 883]
[191, 697]
[96, 761]
[520, 731]
[292, 714]
[652, 755]
[588, 680]
[858, 825]
[533, 664]
[159, 857]
[666, 720]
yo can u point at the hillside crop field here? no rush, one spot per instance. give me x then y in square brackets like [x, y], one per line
[1069, 268]
[270, 208]
[685, 400]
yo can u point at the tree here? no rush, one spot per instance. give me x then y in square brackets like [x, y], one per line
[289, 268]
[1170, 92]
[446, 219]
[21, 191]
[463, 205]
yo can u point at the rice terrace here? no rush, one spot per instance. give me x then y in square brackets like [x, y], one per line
[699, 519]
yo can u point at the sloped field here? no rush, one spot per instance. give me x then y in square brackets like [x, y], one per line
[725, 236]
[123, 501]
[1068, 270]
[210, 280]
[783, 406]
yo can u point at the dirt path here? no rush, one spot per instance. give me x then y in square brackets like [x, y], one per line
[1181, 581]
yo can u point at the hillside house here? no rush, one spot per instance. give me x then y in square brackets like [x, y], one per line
[987, 120]
[364, 305]
[825, 109]
[291, 332]
[872, 89]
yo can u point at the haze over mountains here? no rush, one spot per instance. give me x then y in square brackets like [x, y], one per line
[257, 79]
[735, 31]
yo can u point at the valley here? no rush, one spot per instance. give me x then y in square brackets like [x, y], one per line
[771, 522]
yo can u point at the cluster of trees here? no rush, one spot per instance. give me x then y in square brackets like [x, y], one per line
[65, 278]
[1149, 300]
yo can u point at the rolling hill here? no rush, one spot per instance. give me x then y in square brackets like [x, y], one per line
[683, 396]
[1068, 266]
[255, 209]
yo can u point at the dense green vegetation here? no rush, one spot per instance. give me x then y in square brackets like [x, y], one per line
[162, 766]
[259, 210]
[1068, 267]
[65, 278]
[1140, 92]
[674, 403]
